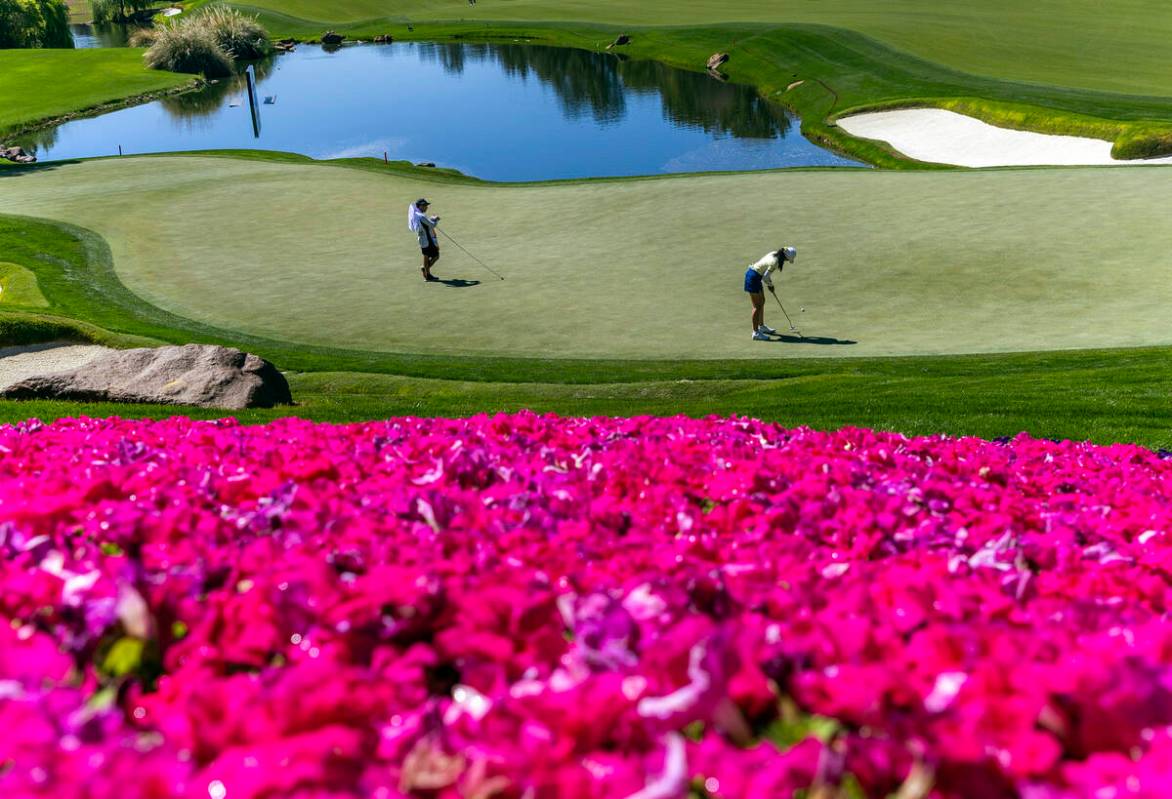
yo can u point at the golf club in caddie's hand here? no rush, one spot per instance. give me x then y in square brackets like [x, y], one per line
[793, 329]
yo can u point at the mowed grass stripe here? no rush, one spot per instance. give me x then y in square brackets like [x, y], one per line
[901, 263]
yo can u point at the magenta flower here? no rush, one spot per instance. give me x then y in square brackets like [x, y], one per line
[527, 606]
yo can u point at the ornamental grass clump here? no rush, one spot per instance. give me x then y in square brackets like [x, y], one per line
[184, 47]
[209, 43]
[530, 606]
[241, 37]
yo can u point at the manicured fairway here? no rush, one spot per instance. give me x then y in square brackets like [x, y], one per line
[1121, 46]
[901, 263]
[38, 84]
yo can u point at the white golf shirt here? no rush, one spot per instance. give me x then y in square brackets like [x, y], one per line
[426, 231]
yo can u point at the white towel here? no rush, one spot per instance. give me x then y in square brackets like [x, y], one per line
[413, 214]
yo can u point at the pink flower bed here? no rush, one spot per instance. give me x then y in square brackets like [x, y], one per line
[534, 607]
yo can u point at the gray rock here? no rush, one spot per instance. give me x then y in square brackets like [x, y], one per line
[18, 155]
[194, 374]
[717, 60]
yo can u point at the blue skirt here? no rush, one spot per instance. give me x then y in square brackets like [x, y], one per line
[753, 283]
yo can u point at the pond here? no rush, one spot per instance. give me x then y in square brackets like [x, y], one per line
[89, 35]
[499, 112]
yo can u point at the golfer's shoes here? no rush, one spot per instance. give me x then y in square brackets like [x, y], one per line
[761, 335]
[767, 330]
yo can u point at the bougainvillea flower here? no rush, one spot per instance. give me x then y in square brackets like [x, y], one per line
[527, 606]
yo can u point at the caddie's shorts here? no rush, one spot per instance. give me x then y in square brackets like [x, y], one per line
[753, 283]
[431, 251]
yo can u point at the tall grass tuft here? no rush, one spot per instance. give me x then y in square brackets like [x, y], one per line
[143, 37]
[208, 42]
[241, 37]
[191, 48]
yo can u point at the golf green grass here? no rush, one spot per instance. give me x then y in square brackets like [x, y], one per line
[1102, 395]
[1121, 46]
[899, 263]
[43, 84]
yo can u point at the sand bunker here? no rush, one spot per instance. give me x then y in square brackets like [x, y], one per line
[17, 363]
[946, 137]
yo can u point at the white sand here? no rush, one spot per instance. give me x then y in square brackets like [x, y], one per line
[946, 137]
[17, 363]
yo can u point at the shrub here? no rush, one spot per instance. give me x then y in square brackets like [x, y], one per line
[117, 10]
[208, 43]
[34, 23]
[188, 48]
[239, 36]
[103, 11]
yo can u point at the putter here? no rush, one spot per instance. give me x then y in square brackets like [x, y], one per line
[470, 255]
[791, 324]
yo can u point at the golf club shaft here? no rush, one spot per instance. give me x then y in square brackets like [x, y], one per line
[791, 323]
[470, 255]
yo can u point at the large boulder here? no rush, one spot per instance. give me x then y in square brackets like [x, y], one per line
[717, 60]
[194, 374]
[330, 37]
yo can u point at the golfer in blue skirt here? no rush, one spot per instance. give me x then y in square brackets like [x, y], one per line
[757, 277]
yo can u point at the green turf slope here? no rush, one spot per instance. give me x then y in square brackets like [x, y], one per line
[899, 262]
[1104, 395]
[41, 84]
[1118, 46]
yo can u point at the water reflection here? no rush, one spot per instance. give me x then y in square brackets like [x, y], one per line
[195, 106]
[88, 36]
[598, 84]
[504, 112]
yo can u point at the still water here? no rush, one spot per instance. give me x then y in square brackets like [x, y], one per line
[500, 112]
[88, 35]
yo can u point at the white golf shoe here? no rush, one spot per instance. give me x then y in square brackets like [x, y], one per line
[766, 329]
[759, 335]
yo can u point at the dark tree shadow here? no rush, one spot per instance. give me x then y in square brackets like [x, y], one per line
[823, 340]
[10, 170]
[458, 282]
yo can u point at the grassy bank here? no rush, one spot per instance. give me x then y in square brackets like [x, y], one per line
[1083, 44]
[819, 71]
[1100, 396]
[821, 60]
[37, 85]
[892, 263]
[1104, 395]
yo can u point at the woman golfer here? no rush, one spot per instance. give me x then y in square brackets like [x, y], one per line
[759, 274]
[424, 226]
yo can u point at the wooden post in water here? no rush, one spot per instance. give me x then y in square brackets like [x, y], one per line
[252, 104]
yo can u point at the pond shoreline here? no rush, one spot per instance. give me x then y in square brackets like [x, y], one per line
[573, 113]
[44, 123]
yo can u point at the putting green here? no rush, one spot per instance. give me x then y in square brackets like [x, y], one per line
[1120, 46]
[900, 262]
